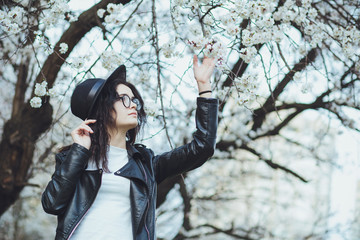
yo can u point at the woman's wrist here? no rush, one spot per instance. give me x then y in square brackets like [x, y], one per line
[204, 89]
[205, 93]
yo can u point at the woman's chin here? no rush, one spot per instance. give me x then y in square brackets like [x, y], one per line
[130, 125]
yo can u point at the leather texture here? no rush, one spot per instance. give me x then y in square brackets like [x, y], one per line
[72, 190]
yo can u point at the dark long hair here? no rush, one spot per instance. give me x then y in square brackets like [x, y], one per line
[103, 113]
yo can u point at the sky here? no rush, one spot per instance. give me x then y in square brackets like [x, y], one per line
[345, 180]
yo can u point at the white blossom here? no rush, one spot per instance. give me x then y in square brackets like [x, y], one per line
[197, 42]
[49, 50]
[13, 28]
[297, 77]
[63, 48]
[53, 92]
[138, 42]
[78, 62]
[289, 3]
[357, 66]
[195, 30]
[151, 108]
[247, 37]
[310, 29]
[112, 19]
[302, 49]
[232, 29]
[144, 77]
[101, 13]
[306, 3]
[41, 89]
[35, 102]
[223, 93]
[247, 86]
[215, 49]
[114, 8]
[141, 26]
[227, 19]
[348, 50]
[72, 17]
[111, 60]
[279, 15]
[338, 32]
[49, 20]
[2, 15]
[208, 20]
[179, 2]
[312, 13]
[252, 134]
[168, 50]
[289, 16]
[301, 18]
[247, 54]
[16, 14]
[305, 88]
[265, 23]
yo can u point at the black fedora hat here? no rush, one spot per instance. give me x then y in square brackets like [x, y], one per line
[86, 93]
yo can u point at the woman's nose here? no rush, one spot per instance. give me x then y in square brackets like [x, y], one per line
[133, 105]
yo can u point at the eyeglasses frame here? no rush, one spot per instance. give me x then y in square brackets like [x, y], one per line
[134, 100]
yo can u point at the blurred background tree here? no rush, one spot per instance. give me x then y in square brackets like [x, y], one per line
[287, 79]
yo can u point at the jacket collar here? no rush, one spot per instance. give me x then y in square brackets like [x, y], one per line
[133, 152]
[134, 167]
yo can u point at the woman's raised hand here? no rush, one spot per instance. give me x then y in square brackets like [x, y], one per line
[203, 72]
[81, 134]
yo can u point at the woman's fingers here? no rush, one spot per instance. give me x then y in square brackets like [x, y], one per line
[81, 134]
[89, 121]
[84, 128]
[195, 61]
[84, 125]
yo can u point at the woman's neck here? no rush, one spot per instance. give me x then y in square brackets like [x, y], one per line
[118, 139]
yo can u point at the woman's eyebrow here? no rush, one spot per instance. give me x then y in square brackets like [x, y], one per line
[123, 94]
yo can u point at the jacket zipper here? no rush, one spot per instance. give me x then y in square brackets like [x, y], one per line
[147, 205]
[72, 232]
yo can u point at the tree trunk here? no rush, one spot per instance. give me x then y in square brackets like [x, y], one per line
[17, 149]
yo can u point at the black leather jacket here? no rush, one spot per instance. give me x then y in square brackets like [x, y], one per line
[72, 190]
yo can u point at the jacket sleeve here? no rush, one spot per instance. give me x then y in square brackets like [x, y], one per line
[61, 187]
[198, 151]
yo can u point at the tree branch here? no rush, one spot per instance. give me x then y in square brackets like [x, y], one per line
[260, 114]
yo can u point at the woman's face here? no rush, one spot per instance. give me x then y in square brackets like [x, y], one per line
[126, 118]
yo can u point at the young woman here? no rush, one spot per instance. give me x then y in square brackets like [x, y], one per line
[104, 185]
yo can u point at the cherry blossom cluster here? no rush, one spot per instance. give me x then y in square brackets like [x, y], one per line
[12, 21]
[247, 86]
[215, 28]
[267, 24]
[41, 90]
[112, 14]
[58, 10]
[111, 59]
[210, 47]
[151, 108]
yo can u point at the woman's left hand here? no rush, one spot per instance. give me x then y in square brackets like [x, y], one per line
[203, 72]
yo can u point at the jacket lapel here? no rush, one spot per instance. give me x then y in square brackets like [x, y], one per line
[139, 188]
[133, 168]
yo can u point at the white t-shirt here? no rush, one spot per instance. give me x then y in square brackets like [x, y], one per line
[109, 217]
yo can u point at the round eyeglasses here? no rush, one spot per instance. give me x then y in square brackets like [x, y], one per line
[126, 100]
